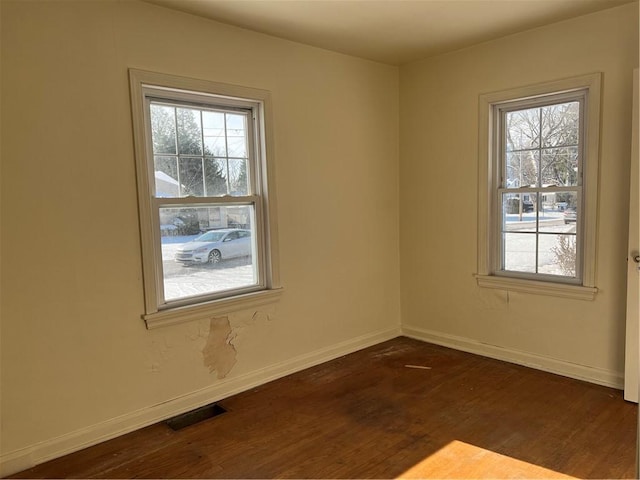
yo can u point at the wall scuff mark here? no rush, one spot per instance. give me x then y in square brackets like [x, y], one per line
[218, 353]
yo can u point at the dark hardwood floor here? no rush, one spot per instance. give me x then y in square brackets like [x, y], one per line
[372, 415]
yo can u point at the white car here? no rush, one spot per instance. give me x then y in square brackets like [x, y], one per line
[213, 246]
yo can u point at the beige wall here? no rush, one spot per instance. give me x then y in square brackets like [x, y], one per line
[77, 361]
[438, 191]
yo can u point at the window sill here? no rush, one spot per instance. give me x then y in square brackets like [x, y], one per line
[206, 310]
[577, 292]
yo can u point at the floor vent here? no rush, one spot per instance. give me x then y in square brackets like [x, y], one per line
[194, 416]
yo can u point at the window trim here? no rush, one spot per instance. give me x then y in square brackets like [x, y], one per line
[489, 178]
[142, 84]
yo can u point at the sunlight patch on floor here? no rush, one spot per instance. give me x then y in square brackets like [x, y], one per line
[462, 460]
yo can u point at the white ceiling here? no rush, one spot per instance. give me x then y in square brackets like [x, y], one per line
[389, 31]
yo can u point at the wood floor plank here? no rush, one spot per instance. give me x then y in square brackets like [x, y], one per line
[403, 408]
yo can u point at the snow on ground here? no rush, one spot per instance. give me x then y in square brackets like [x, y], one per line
[184, 281]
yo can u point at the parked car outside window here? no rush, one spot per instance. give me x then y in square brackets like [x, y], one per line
[570, 215]
[213, 246]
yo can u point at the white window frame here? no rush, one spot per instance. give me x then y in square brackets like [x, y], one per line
[489, 275]
[146, 86]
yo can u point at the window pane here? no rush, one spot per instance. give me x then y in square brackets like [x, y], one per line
[519, 212]
[236, 136]
[238, 180]
[215, 146]
[560, 166]
[191, 177]
[560, 124]
[235, 123]
[523, 129]
[215, 177]
[163, 129]
[166, 175]
[522, 169]
[557, 255]
[519, 252]
[214, 134]
[189, 131]
[560, 212]
[207, 250]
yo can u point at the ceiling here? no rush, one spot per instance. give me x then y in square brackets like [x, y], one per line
[389, 31]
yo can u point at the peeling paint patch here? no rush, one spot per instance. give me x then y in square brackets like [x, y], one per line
[196, 332]
[260, 315]
[160, 351]
[493, 299]
[219, 355]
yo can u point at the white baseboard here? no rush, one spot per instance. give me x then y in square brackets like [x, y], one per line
[28, 457]
[608, 378]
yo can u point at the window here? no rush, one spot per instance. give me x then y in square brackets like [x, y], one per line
[538, 188]
[205, 191]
